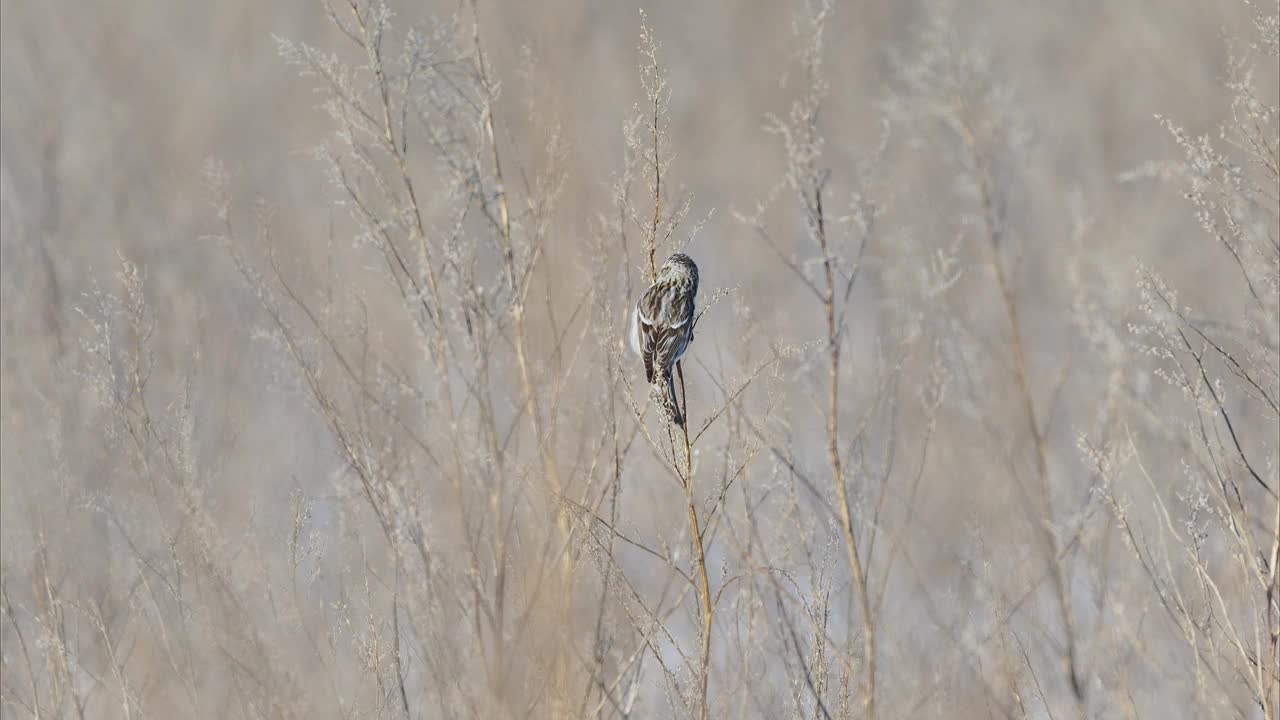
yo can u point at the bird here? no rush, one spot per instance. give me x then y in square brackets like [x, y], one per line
[662, 327]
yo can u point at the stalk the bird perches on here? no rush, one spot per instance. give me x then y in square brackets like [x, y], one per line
[662, 327]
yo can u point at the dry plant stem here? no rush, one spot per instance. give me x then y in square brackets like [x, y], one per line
[518, 291]
[685, 473]
[657, 181]
[1024, 390]
[837, 467]
[34, 708]
[704, 591]
[505, 227]
[397, 150]
[1271, 695]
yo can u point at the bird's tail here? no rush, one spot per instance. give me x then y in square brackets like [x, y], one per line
[668, 399]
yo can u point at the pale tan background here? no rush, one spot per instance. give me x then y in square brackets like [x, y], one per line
[111, 110]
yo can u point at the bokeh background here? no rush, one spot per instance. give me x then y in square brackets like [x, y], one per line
[185, 536]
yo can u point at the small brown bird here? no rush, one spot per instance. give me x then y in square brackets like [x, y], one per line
[662, 327]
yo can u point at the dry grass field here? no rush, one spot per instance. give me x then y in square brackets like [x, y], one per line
[317, 400]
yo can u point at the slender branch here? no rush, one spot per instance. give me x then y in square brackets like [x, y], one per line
[818, 222]
[704, 591]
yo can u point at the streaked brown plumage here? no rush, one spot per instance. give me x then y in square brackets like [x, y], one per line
[662, 326]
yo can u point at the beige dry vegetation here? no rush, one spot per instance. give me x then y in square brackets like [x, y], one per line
[316, 401]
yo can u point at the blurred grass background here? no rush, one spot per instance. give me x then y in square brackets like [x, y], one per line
[111, 110]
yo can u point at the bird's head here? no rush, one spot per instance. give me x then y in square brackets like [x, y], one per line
[680, 269]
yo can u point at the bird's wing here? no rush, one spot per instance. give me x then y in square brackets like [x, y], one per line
[644, 334]
[667, 306]
[665, 313]
[662, 326]
[668, 346]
